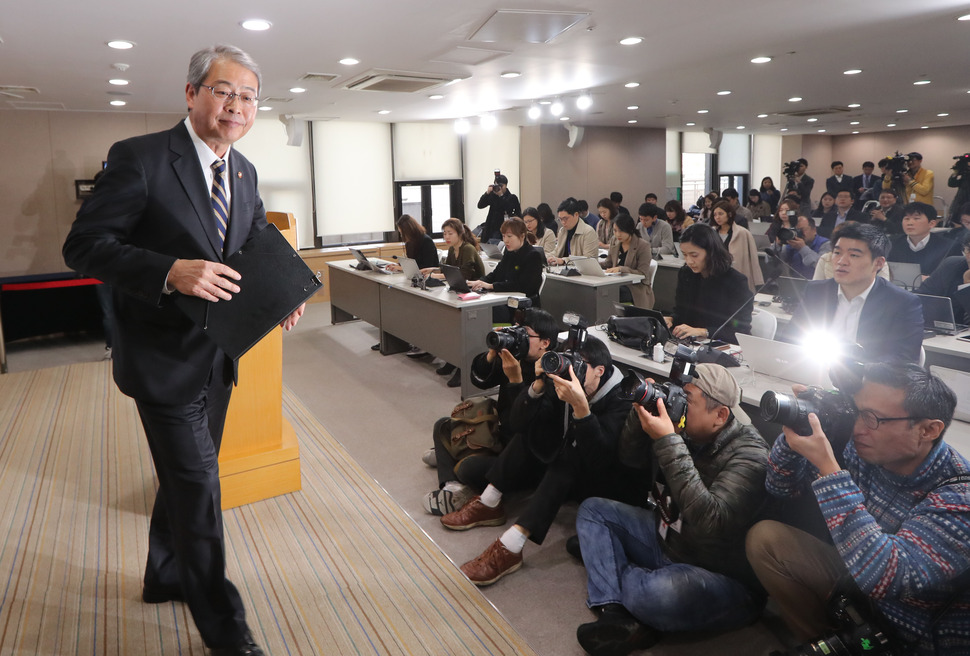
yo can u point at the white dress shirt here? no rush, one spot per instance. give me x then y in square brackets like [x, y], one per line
[848, 313]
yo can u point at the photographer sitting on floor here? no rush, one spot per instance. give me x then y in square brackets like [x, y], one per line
[571, 443]
[459, 479]
[679, 565]
[898, 518]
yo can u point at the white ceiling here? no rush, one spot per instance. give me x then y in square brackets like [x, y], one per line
[692, 49]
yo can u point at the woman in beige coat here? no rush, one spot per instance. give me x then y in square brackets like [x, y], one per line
[739, 242]
[630, 254]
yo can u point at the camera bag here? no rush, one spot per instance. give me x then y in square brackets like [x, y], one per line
[474, 427]
[637, 332]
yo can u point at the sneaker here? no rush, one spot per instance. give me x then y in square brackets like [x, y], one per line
[615, 633]
[455, 380]
[445, 369]
[472, 514]
[415, 352]
[448, 499]
[492, 564]
[430, 458]
[376, 347]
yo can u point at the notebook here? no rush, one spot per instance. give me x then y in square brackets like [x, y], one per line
[494, 251]
[792, 362]
[907, 274]
[456, 281]
[363, 264]
[938, 315]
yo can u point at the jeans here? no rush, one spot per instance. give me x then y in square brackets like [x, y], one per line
[625, 564]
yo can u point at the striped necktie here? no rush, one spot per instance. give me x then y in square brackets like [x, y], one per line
[218, 196]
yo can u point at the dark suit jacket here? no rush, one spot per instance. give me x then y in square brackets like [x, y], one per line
[928, 259]
[150, 208]
[827, 224]
[945, 281]
[833, 186]
[875, 180]
[891, 325]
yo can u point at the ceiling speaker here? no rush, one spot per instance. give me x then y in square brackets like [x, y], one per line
[715, 136]
[294, 129]
[575, 135]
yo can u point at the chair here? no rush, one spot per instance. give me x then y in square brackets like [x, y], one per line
[653, 271]
[763, 324]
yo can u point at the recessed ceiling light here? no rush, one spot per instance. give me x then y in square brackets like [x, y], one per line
[890, 125]
[853, 105]
[510, 74]
[563, 118]
[784, 130]
[584, 102]
[822, 130]
[812, 120]
[923, 127]
[556, 108]
[632, 120]
[852, 71]
[297, 90]
[264, 108]
[632, 85]
[118, 82]
[633, 107]
[256, 24]
[920, 83]
[382, 112]
[631, 40]
[740, 127]
[702, 111]
[121, 45]
[118, 103]
[964, 17]
[690, 125]
[761, 60]
[901, 111]
[545, 102]
[534, 112]
[942, 114]
[435, 96]
[853, 122]
[762, 116]
[795, 99]
[855, 132]
[724, 93]
[349, 61]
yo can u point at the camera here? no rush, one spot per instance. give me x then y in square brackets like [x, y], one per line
[836, 411]
[856, 634]
[513, 338]
[962, 164]
[558, 362]
[790, 169]
[636, 389]
[897, 165]
[785, 235]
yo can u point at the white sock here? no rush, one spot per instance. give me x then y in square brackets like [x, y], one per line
[514, 540]
[491, 497]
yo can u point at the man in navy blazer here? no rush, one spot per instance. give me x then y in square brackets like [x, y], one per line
[152, 230]
[857, 306]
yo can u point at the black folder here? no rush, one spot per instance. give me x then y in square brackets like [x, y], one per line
[275, 281]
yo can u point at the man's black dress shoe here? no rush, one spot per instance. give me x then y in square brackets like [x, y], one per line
[160, 595]
[245, 647]
[615, 633]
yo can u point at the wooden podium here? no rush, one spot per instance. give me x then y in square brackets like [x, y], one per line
[260, 457]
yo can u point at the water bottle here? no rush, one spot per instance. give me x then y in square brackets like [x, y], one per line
[658, 352]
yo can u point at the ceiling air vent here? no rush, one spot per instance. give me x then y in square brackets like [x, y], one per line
[377, 80]
[820, 111]
[319, 77]
[273, 100]
[16, 91]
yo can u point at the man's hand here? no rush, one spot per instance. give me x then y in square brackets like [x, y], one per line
[797, 244]
[815, 447]
[511, 366]
[209, 280]
[683, 331]
[878, 214]
[571, 391]
[658, 425]
[290, 321]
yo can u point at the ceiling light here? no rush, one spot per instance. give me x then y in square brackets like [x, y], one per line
[762, 116]
[812, 120]
[633, 107]
[117, 103]
[740, 127]
[585, 101]
[556, 108]
[901, 111]
[632, 121]
[690, 125]
[435, 96]
[121, 45]
[724, 93]
[855, 132]
[822, 130]
[455, 81]
[853, 122]
[795, 99]
[761, 60]
[703, 111]
[631, 40]
[852, 71]
[784, 130]
[923, 127]
[264, 108]
[349, 61]
[487, 121]
[964, 17]
[510, 74]
[462, 126]
[545, 102]
[920, 83]
[890, 125]
[942, 114]
[563, 118]
[632, 85]
[118, 82]
[256, 24]
[534, 112]
[297, 90]
[383, 112]
[853, 105]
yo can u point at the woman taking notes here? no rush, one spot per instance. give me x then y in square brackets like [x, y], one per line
[630, 254]
[462, 251]
[545, 238]
[520, 269]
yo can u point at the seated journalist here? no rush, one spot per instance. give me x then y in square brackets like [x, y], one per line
[952, 279]
[919, 245]
[898, 518]
[857, 306]
[565, 434]
[677, 564]
[460, 480]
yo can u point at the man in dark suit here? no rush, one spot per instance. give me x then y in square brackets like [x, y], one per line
[168, 207]
[839, 181]
[856, 306]
[952, 278]
[841, 212]
[863, 183]
[889, 213]
[919, 245]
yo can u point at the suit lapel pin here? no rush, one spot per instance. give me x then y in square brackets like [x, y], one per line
[239, 174]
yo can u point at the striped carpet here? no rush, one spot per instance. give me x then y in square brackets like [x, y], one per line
[337, 569]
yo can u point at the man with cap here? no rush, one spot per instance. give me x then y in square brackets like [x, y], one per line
[917, 181]
[677, 564]
[501, 204]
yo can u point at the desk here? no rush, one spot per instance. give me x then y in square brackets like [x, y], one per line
[434, 320]
[591, 296]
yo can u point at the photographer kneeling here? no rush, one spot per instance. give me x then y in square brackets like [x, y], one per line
[679, 564]
[897, 517]
[463, 475]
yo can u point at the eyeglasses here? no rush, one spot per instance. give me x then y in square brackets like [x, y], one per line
[226, 96]
[871, 421]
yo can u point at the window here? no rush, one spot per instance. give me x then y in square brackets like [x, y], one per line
[431, 202]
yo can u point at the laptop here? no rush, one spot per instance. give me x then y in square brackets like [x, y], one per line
[494, 251]
[363, 264]
[761, 241]
[589, 267]
[938, 315]
[791, 362]
[456, 281]
[623, 310]
[907, 274]
[677, 252]
[792, 290]
[758, 227]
